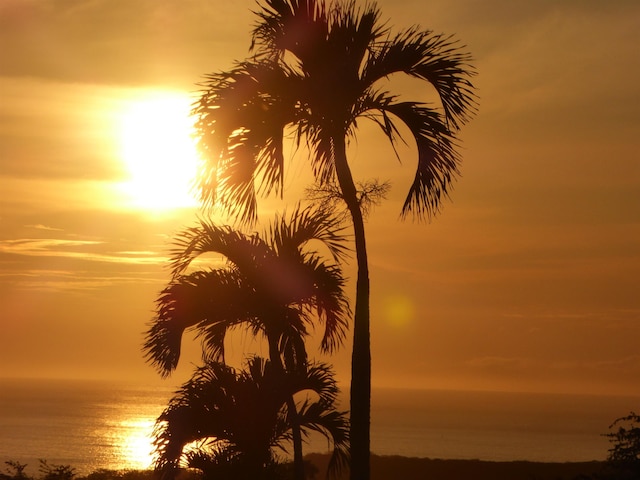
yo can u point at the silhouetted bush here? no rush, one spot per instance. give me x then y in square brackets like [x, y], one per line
[56, 472]
[624, 455]
[105, 474]
[15, 471]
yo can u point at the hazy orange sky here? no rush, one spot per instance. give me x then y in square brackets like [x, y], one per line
[528, 280]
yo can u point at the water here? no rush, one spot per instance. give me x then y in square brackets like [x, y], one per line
[91, 425]
[87, 425]
[495, 426]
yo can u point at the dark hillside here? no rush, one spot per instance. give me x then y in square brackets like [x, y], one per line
[397, 467]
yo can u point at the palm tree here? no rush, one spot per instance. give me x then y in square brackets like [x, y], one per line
[276, 287]
[238, 418]
[317, 69]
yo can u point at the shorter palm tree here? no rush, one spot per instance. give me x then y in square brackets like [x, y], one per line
[273, 283]
[239, 419]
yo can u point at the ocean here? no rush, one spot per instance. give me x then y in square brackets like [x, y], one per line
[94, 425]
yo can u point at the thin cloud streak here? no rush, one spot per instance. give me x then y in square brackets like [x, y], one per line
[44, 227]
[52, 248]
[72, 282]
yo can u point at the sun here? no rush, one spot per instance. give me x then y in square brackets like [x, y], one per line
[159, 151]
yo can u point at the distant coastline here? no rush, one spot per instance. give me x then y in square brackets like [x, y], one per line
[390, 467]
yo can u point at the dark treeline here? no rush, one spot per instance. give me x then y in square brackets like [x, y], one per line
[382, 468]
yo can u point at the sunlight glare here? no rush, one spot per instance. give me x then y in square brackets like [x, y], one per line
[137, 447]
[159, 151]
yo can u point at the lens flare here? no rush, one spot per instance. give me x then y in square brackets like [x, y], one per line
[398, 309]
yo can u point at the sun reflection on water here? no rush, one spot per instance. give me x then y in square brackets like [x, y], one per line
[134, 446]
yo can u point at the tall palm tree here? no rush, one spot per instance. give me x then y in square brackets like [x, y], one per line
[238, 419]
[317, 69]
[272, 283]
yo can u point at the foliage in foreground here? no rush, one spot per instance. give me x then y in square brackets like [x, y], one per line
[624, 455]
[50, 471]
[238, 418]
[17, 471]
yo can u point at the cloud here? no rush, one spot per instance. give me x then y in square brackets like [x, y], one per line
[43, 280]
[551, 67]
[44, 227]
[50, 247]
[30, 246]
[121, 41]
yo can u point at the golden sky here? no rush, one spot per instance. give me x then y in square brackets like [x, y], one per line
[527, 280]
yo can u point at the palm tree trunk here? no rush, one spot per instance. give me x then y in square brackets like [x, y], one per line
[360, 408]
[298, 460]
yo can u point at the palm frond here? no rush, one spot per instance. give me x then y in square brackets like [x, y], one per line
[330, 304]
[241, 116]
[234, 246]
[289, 233]
[334, 426]
[438, 59]
[320, 378]
[189, 301]
[294, 25]
[322, 147]
[437, 158]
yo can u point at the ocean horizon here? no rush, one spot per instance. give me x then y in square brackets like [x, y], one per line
[93, 425]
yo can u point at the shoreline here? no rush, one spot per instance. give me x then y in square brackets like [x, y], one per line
[387, 467]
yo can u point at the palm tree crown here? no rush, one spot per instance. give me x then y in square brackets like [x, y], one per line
[338, 55]
[241, 418]
[276, 287]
